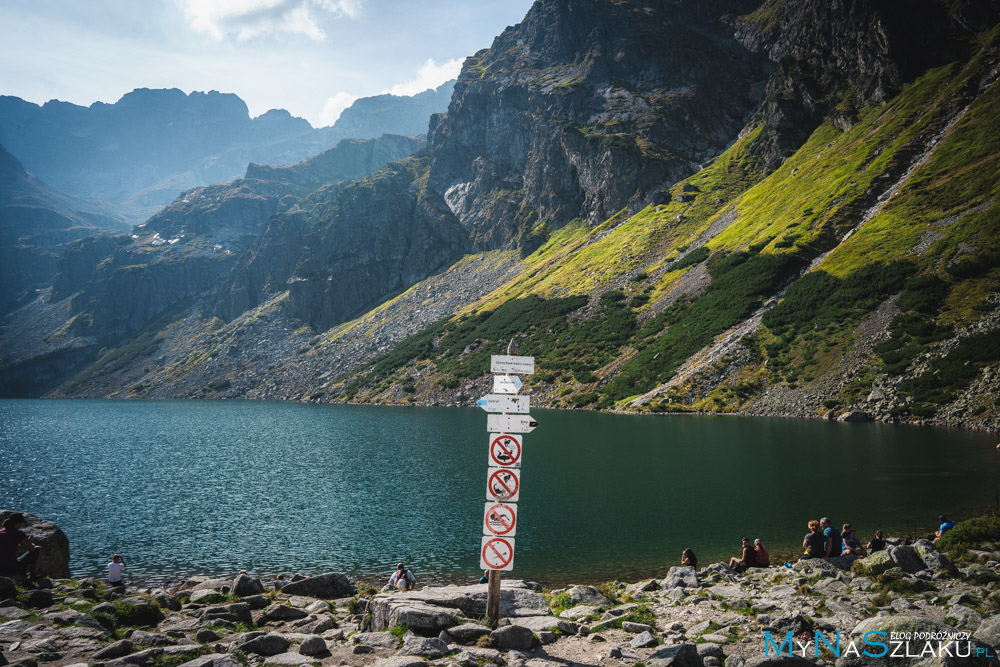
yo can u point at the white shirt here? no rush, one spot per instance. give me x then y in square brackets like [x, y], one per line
[115, 571]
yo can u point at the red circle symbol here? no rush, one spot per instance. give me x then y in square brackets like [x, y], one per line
[500, 519]
[498, 553]
[505, 450]
[503, 484]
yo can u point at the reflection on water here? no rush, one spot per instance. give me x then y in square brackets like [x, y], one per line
[185, 487]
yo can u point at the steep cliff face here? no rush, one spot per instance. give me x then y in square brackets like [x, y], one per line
[835, 58]
[587, 107]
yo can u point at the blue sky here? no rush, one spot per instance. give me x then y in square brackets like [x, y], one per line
[312, 57]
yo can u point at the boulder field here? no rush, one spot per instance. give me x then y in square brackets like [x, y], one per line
[687, 618]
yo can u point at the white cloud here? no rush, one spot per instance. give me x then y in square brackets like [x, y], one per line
[430, 75]
[334, 107]
[246, 19]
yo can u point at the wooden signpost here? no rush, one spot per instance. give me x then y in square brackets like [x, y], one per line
[503, 483]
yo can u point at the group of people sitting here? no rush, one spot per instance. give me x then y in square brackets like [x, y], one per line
[754, 555]
[824, 541]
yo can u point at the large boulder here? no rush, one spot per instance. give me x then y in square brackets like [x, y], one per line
[238, 612]
[680, 576]
[989, 632]
[874, 564]
[269, 644]
[588, 595]
[427, 647]
[932, 558]
[54, 544]
[906, 558]
[678, 655]
[431, 610]
[512, 638]
[328, 585]
[244, 586]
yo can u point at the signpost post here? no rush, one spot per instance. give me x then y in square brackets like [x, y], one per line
[508, 417]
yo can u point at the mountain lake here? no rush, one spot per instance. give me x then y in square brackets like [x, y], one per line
[211, 487]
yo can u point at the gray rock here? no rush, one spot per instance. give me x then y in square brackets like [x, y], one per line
[244, 585]
[54, 544]
[207, 584]
[431, 610]
[205, 635]
[327, 586]
[989, 632]
[37, 598]
[854, 416]
[379, 639]
[614, 653]
[579, 611]
[143, 638]
[166, 601]
[207, 596]
[313, 646]
[290, 660]
[512, 637]
[238, 612]
[716, 638]
[964, 618]
[362, 648]
[709, 649]
[427, 647]
[469, 633]
[906, 558]
[680, 576]
[281, 612]
[400, 661]
[645, 586]
[114, 650]
[678, 655]
[588, 595]
[643, 640]
[213, 660]
[257, 602]
[932, 558]
[635, 628]
[269, 644]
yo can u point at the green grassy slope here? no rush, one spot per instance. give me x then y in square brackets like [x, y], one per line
[602, 311]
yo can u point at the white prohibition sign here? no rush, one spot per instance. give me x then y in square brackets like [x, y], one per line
[505, 363]
[500, 519]
[503, 484]
[503, 403]
[510, 423]
[505, 450]
[497, 553]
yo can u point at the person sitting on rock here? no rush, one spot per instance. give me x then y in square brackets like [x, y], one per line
[814, 543]
[876, 543]
[834, 543]
[747, 560]
[688, 558]
[402, 578]
[279, 582]
[849, 542]
[115, 568]
[946, 525]
[485, 579]
[763, 557]
[12, 537]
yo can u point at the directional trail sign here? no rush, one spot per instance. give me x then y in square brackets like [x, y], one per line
[506, 384]
[497, 553]
[501, 403]
[500, 519]
[510, 423]
[503, 484]
[505, 363]
[505, 450]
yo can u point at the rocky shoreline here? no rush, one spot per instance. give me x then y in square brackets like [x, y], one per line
[704, 618]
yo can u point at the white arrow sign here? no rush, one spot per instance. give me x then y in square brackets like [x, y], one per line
[505, 363]
[500, 403]
[510, 423]
[506, 384]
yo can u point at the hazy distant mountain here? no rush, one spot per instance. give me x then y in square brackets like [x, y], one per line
[142, 151]
[36, 225]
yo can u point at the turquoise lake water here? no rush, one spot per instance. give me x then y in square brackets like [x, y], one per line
[211, 487]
